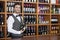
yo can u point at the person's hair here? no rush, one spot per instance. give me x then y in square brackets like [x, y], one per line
[16, 4]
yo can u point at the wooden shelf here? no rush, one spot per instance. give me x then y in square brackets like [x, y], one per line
[2, 38]
[47, 15]
[9, 38]
[44, 35]
[54, 34]
[2, 0]
[15, 1]
[31, 2]
[31, 36]
[43, 24]
[2, 25]
[55, 4]
[29, 13]
[2, 12]
[44, 3]
[11, 13]
[44, 14]
[56, 14]
[56, 24]
[31, 24]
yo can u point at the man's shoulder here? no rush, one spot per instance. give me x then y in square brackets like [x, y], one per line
[10, 17]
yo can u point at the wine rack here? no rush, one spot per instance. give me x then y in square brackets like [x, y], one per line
[41, 16]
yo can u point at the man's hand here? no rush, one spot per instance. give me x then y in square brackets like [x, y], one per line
[23, 29]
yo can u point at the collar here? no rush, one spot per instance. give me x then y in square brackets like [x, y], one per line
[15, 14]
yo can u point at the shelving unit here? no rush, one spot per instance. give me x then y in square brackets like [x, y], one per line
[42, 17]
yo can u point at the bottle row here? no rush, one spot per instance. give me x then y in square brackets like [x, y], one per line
[10, 7]
[31, 8]
[55, 29]
[43, 20]
[43, 30]
[55, 9]
[28, 8]
[44, 1]
[32, 19]
[42, 9]
[31, 30]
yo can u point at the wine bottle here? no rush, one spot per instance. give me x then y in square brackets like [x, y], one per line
[1, 33]
[58, 1]
[46, 1]
[54, 8]
[1, 19]
[1, 7]
[34, 0]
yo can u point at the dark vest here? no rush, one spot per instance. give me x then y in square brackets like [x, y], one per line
[16, 26]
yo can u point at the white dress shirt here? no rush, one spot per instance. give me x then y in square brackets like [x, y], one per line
[10, 22]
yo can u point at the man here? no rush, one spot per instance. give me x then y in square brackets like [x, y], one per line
[14, 23]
